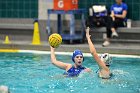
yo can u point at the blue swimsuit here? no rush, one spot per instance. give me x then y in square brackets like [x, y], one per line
[74, 71]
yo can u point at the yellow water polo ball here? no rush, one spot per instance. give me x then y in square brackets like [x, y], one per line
[55, 40]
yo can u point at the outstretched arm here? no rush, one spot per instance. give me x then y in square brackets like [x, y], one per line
[100, 63]
[57, 63]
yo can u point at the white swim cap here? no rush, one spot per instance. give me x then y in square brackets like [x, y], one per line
[106, 58]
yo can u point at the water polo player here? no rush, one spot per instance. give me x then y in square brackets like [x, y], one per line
[103, 60]
[70, 70]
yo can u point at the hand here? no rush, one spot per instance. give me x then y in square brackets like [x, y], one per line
[116, 15]
[87, 32]
[52, 48]
[87, 70]
[113, 17]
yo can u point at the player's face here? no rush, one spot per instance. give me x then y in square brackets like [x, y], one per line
[78, 60]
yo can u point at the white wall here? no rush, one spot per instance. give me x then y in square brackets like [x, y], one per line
[42, 10]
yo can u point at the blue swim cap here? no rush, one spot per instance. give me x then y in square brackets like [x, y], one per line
[75, 53]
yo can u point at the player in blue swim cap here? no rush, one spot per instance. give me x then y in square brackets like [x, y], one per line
[70, 70]
[103, 60]
[77, 52]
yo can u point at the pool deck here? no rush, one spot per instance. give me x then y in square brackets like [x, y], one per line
[129, 49]
[20, 32]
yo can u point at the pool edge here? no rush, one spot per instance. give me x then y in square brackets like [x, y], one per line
[60, 53]
[70, 53]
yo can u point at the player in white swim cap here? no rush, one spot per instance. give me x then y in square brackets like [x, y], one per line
[106, 58]
[103, 60]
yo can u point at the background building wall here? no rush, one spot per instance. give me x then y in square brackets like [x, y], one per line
[18, 8]
[42, 8]
[38, 8]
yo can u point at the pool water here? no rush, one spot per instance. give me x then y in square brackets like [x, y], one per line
[34, 73]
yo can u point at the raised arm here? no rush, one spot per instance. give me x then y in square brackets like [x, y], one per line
[57, 63]
[100, 63]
